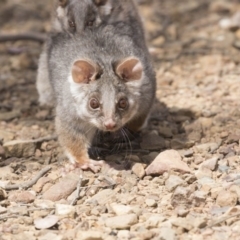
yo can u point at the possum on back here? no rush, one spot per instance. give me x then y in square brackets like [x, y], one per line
[74, 16]
[101, 82]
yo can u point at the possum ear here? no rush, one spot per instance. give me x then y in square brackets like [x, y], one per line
[63, 3]
[84, 71]
[129, 69]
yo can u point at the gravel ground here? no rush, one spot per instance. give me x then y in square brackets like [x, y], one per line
[178, 179]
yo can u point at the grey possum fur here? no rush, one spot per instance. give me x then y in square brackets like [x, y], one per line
[102, 80]
[75, 16]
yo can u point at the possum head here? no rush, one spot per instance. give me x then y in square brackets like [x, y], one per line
[76, 15]
[107, 100]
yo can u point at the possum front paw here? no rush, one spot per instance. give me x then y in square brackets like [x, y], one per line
[84, 162]
[92, 165]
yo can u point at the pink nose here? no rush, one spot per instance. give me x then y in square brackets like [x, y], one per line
[109, 124]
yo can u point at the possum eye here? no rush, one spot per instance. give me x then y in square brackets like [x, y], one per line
[71, 24]
[90, 23]
[99, 74]
[122, 103]
[94, 103]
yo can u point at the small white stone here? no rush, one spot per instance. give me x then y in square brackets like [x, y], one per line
[154, 221]
[51, 236]
[181, 222]
[102, 197]
[20, 148]
[3, 210]
[210, 164]
[138, 170]
[89, 235]
[6, 172]
[64, 209]
[3, 184]
[166, 233]
[205, 173]
[42, 203]
[226, 198]
[120, 209]
[225, 23]
[121, 222]
[47, 222]
[150, 202]
[123, 234]
[172, 182]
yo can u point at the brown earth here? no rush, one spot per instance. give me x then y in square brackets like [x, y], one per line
[192, 189]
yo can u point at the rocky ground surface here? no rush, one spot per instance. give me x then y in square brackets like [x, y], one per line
[179, 179]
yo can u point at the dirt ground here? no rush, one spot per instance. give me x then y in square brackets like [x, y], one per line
[191, 190]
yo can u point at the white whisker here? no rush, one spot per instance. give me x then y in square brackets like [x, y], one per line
[128, 142]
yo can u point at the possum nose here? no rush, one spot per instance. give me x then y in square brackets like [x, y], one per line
[110, 124]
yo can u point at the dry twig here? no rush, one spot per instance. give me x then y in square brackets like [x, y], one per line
[78, 190]
[8, 216]
[38, 37]
[46, 138]
[224, 219]
[29, 183]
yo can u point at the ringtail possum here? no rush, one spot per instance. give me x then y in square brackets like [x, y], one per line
[101, 80]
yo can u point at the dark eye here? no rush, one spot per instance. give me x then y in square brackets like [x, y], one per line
[99, 74]
[71, 24]
[90, 23]
[94, 103]
[122, 103]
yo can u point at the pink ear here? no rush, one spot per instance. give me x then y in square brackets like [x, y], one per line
[84, 71]
[130, 69]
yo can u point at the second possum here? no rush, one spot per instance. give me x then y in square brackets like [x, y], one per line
[75, 16]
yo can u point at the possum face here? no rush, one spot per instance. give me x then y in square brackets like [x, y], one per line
[73, 16]
[107, 100]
